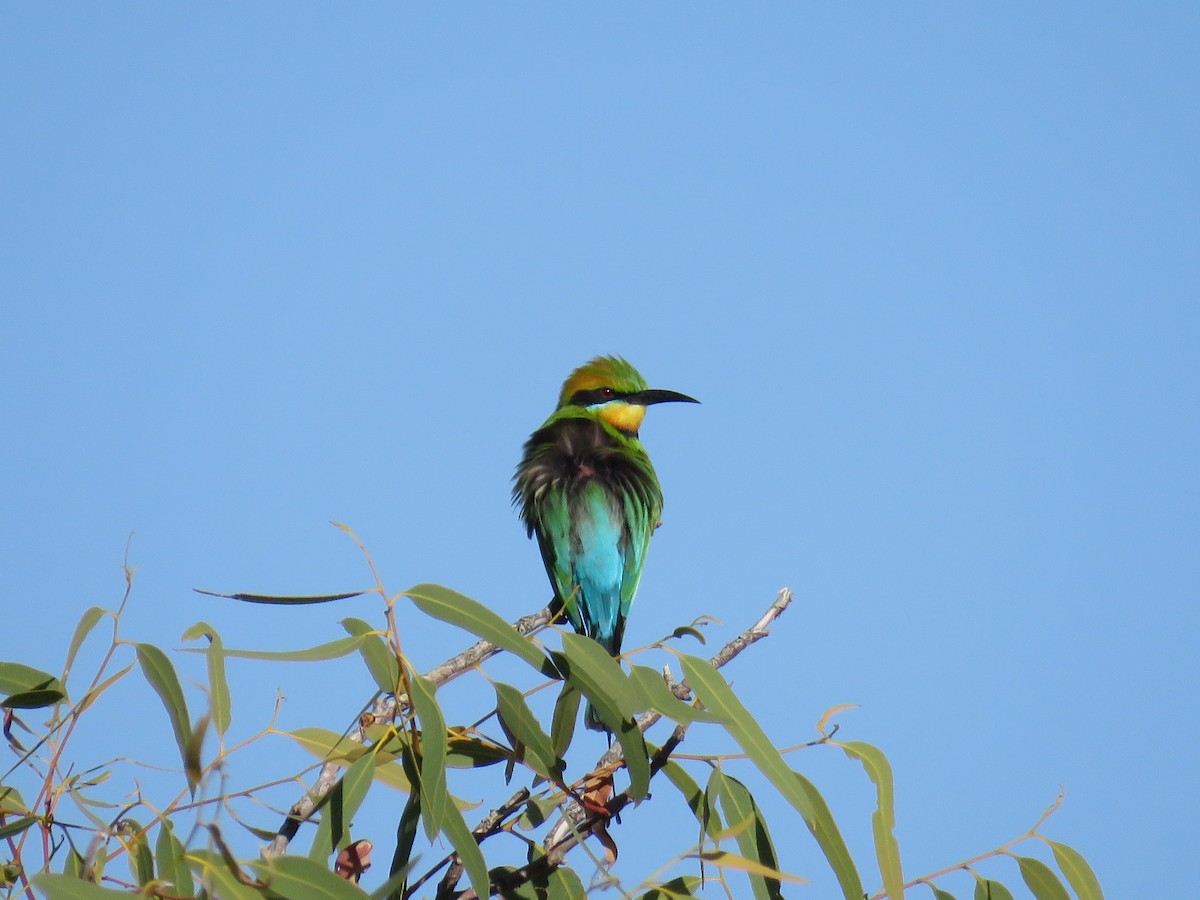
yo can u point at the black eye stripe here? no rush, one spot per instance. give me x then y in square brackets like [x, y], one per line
[596, 395]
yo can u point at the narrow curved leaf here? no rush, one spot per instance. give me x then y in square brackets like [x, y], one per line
[829, 838]
[86, 623]
[471, 615]
[655, 695]
[11, 801]
[296, 876]
[331, 650]
[1079, 874]
[713, 691]
[172, 867]
[282, 600]
[435, 796]
[467, 752]
[218, 687]
[16, 826]
[562, 723]
[938, 893]
[682, 888]
[1041, 880]
[523, 730]
[338, 807]
[459, 834]
[725, 860]
[162, 678]
[754, 842]
[591, 664]
[883, 819]
[381, 662]
[697, 800]
[137, 846]
[332, 747]
[216, 873]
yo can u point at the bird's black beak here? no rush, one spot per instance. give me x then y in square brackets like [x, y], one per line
[650, 397]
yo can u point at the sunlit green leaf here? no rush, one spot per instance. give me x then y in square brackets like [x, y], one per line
[86, 623]
[11, 801]
[218, 686]
[1041, 880]
[435, 796]
[337, 808]
[296, 876]
[162, 678]
[684, 887]
[725, 860]
[754, 842]
[697, 800]
[468, 752]
[459, 834]
[137, 847]
[172, 867]
[657, 696]
[471, 615]
[331, 650]
[1079, 874]
[215, 873]
[715, 694]
[381, 662]
[883, 819]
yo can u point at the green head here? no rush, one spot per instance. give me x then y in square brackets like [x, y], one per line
[614, 391]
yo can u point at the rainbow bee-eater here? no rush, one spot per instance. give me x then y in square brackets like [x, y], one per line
[585, 486]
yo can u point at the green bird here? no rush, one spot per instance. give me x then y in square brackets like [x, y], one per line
[585, 486]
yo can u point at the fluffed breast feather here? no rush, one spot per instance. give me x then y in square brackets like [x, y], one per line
[568, 453]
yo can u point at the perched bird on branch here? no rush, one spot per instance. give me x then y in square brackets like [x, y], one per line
[585, 486]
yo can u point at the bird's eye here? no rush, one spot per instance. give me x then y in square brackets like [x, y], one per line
[607, 393]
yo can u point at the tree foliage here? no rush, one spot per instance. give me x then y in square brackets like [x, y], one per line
[65, 835]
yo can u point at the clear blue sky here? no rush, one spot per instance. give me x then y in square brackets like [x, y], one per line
[931, 268]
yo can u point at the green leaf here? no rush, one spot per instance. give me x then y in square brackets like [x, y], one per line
[86, 623]
[455, 828]
[282, 600]
[16, 826]
[331, 650]
[725, 860]
[562, 723]
[172, 867]
[381, 662]
[218, 686]
[452, 607]
[161, 675]
[657, 696]
[467, 752]
[524, 730]
[682, 888]
[753, 842]
[218, 878]
[716, 695]
[991, 890]
[406, 833]
[590, 664]
[11, 801]
[296, 876]
[141, 861]
[938, 893]
[67, 887]
[883, 819]
[1079, 874]
[332, 747]
[435, 796]
[1041, 880]
[338, 807]
[28, 688]
[599, 678]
